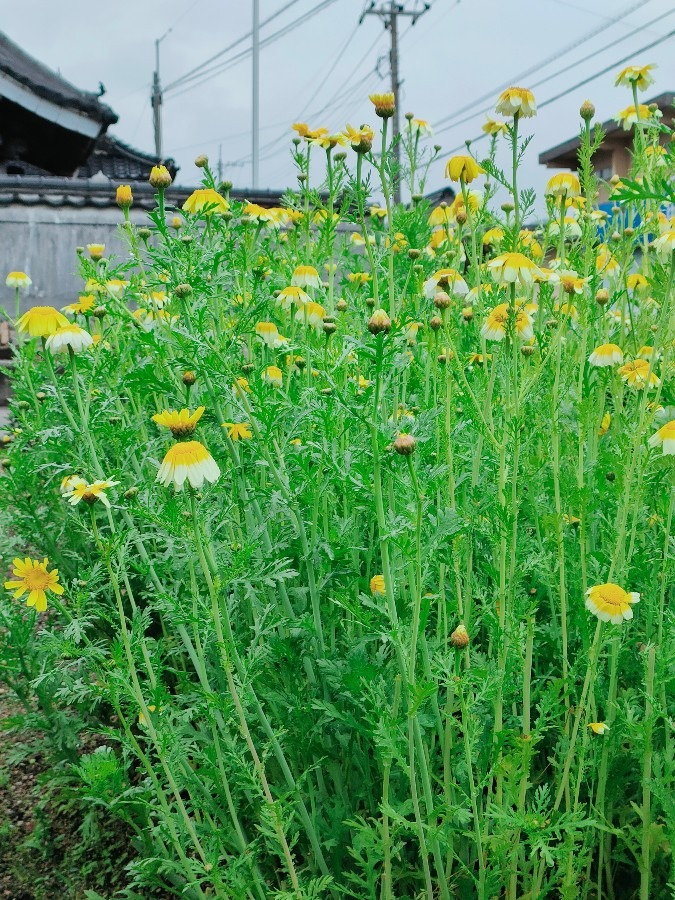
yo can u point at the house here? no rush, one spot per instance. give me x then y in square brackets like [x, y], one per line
[614, 156]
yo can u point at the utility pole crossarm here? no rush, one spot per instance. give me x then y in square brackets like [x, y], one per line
[389, 14]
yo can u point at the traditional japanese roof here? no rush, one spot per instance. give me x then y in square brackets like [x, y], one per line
[33, 86]
[120, 162]
[564, 156]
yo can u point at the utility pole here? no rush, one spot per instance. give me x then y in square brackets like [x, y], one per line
[389, 13]
[157, 104]
[255, 110]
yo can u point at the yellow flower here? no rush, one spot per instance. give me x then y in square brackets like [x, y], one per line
[85, 304]
[205, 200]
[384, 104]
[635, 373]
[241, 385]
[606, 355]
[311, 314]
[189, 461]
[70, 337]
[238, 430]
[18, 280]
[141, 716]
[512, 267]
[421, 126]
[78, 489]
[358, 277]
[628, 117]
[598, 727]
[377, 212]
[160, 177]
[571, 282]
[377, 585]
[96, 251]
[640, 76]
[273, 376]
[361, 138]
[305, 276]
[571, 520]
[292, 295]
[180, 423]
[268, 333]
[496, 324]
[446, 278]
[665, 245]
[33, 577]
[116, 286]
[604, 425]
[463, 168]
[123, 196]
[493, 236]
[515, 101]
[566, 184]
[610, 603]
[262, 214]
[606, 263]
[636, 281]
[664, 438]
[494, 127]
[441, 215]
[41, 321]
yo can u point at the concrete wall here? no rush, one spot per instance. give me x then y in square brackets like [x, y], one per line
[41, 241]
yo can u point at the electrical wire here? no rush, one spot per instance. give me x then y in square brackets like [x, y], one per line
[566, 68]
[207, 75]
[540, 65]
[584, 81]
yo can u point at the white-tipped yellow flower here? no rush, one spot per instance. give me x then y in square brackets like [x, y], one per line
[18, 280]
[85, 304]
[188, 461]
[638, 76]
[630, 116]
[41, 321]
[665, 245]
[516, 101]
[494, 127]
[448, 279]
[90, 493]
[512, 268]
[273, 376]
[306, 276]
[463, 168]
[566, 184]
[598, 727]
[610, 603]
[311, 314]
[636, 373]
[180, 423]
[70, 337]
[606, 355]
[289, 296]
[496, 325]
[664, 438]
[268, 333]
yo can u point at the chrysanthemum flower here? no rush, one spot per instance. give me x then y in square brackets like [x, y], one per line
[258, 213]
[441, 215]
[384, 104]
[206, 200]
[571, 282]
[241, 385]
[628, 117]
[306, 276]
[273, 376]
[665, 245]
[86, 303]
[311, 314]
[513, 267]
[96, 251]
[636, 374]
[598, 727]
[566, 184]
[18, 280]
[463, 168]
[188, 461]
[640, 76]
[180, 423]
[32, 577]
[70, 337]
[421, 126]
[604, 425]
[496, 325]
[636, 281]
[606, 264]
[516, 101]
[68, 482]
[493, 236]
[494, 127]
[445, 278]
[377, 585]
[568, 309]
[90, 493]
[361, 138]
[664, 438]
[238, 430]
[610, 603]
[571, 228]
[268, 333]
[41, 321]
[377, 212]
[358, 277]
[606, 355]
[292, 295]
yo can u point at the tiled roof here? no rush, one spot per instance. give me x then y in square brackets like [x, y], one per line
[120, 162]
[22, 68]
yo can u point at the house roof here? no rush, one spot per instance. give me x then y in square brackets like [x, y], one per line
[19, 66]
[565, 154]
[120, 162]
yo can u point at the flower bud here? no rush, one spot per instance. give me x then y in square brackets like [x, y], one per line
[329, 328]
[417, 198]
[508, 206]
[160, 177]
[341, 305]
[405, 444]
[587, 111]
[461, 217]
[182, 290]
[177, 223]
[123, 196]
[202, 161]
[379, 322]
[384, 104]
[602, 297]
[370, 302]
[435, 323]
[413, 253]
[100, 312]
[189, 378]
[131, 493]
[610, 476]
[442, 300]
[144, 233]
[527, 349]
[460, 637]
[41, 396]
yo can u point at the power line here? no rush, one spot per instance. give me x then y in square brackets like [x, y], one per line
[543, 63]
[202, 77]
[207, 62]
[574, 87]
[564, 69]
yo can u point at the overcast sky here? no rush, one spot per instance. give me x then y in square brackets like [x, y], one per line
[321, 71]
